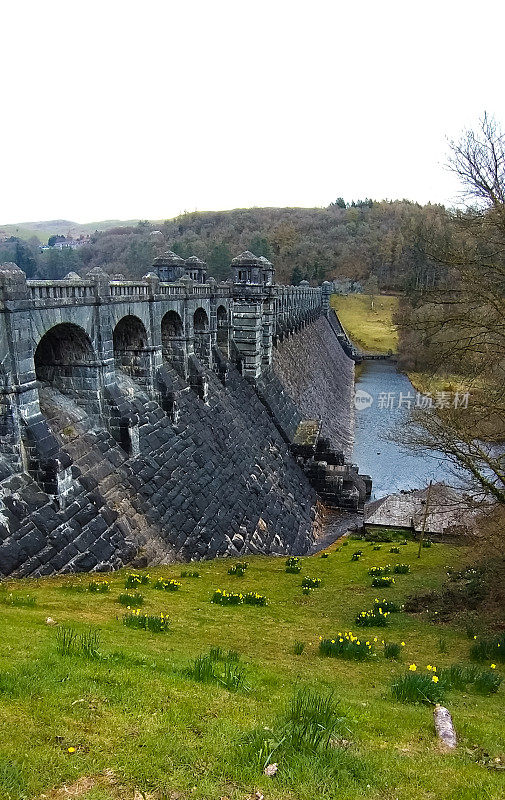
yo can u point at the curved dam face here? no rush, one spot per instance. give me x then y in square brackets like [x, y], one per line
[145, 422]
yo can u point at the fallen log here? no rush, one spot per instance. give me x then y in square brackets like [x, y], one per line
[444, 726]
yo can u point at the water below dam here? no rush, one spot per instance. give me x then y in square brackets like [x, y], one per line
[379, 390]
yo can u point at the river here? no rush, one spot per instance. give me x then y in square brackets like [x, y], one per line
[379, 390]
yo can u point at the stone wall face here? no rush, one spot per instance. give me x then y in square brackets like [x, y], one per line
[319, 377]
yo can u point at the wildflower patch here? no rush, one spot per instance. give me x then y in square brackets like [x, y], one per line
[133, 580]
[376, 617]
[156, 623]
[293, 565]
[383, 581]
[167, 586]
[346, 645]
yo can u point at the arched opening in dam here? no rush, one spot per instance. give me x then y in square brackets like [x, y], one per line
[65, 359]
[130, 348]
[202, 335]
[223, 331]
[173, 341]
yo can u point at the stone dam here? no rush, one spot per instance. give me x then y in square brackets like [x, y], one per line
[171, 418]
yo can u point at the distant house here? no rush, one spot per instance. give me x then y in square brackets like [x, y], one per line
[448, 513]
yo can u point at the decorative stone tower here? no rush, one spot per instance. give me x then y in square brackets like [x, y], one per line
[170, 267]
[196, 269]
[253, 313]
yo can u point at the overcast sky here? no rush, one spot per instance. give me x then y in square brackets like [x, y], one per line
[118, 109]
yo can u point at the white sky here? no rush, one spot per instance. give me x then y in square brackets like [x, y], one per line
[119, 109]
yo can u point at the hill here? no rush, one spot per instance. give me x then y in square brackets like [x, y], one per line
[120, 710]
[62, 227]
[380, 238]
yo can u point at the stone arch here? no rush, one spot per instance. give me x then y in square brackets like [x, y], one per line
[173, 341]
[65, 358]
[223, 331]
[131, 353]
[202, 335]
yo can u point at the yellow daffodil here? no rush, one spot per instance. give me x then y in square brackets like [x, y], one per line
[434, 679]
[493, 666]
[402, 644]
[71, 749]
[412, 668]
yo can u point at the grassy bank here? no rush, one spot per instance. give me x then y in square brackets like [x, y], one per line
[373, 330]
[128, 711]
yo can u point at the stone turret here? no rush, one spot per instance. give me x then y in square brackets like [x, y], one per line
[170, 267]
[267, 270]
[196, 269]
[247, 268]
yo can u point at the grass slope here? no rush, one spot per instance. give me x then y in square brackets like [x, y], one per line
[374, 331]
[136, 711]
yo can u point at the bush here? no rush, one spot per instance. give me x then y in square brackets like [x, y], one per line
[346, 645]
[382, 582]
[156, 623]
[293, 565]
[299, 648]
[392, 650]
[19, 600]
[489, 649]
[99, 586]
[387, 605]
[134, 600]
[311, 583]
[167, 586]
[376, 617]
[188, 574]
[255, 599]
[238, 569]
[376, 571]
[416, 687]
[133, 580]
[71, 643]
[462, 677]
[401, 569]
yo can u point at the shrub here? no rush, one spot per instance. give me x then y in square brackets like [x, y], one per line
[311, 583]
[133, 580]
[167, 586]
[376, 617]
[71, 643]
[299, 648]
[99, 586]
[392, 650]
[206, 669]
[414, 687]
[156, 623]
[387, 605]
[134, 600]
[255, 599]
[346, 645]
[394, 550]
[293, 565]
[376, 571]
[190, 574]
[382, 582]
[462, 677]
[401, 569]
[19, 600]
[489, 649]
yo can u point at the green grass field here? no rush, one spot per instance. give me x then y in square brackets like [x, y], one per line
[374, 331]
[133, 719]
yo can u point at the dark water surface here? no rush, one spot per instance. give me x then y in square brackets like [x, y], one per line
[392, 467]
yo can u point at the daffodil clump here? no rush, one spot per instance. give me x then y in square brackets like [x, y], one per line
[99, 586]
[346, 645]
[376, 617]
[186, 573]
[374, 572]
[156, 623]
[387, 605]
[489, 649]
[238, 569]
[356, 555]
[419, 687]
[311, 583]
[293, 565]
[401, 569]
[132, 600]
[325, 555]
[394, 550]
[383, 581]
[167, 586]
[134, 580]
[255, 599]
[224, 598]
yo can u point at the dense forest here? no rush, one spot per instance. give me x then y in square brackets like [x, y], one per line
[383, 239]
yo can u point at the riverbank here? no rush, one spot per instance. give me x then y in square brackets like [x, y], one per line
[372, 329]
